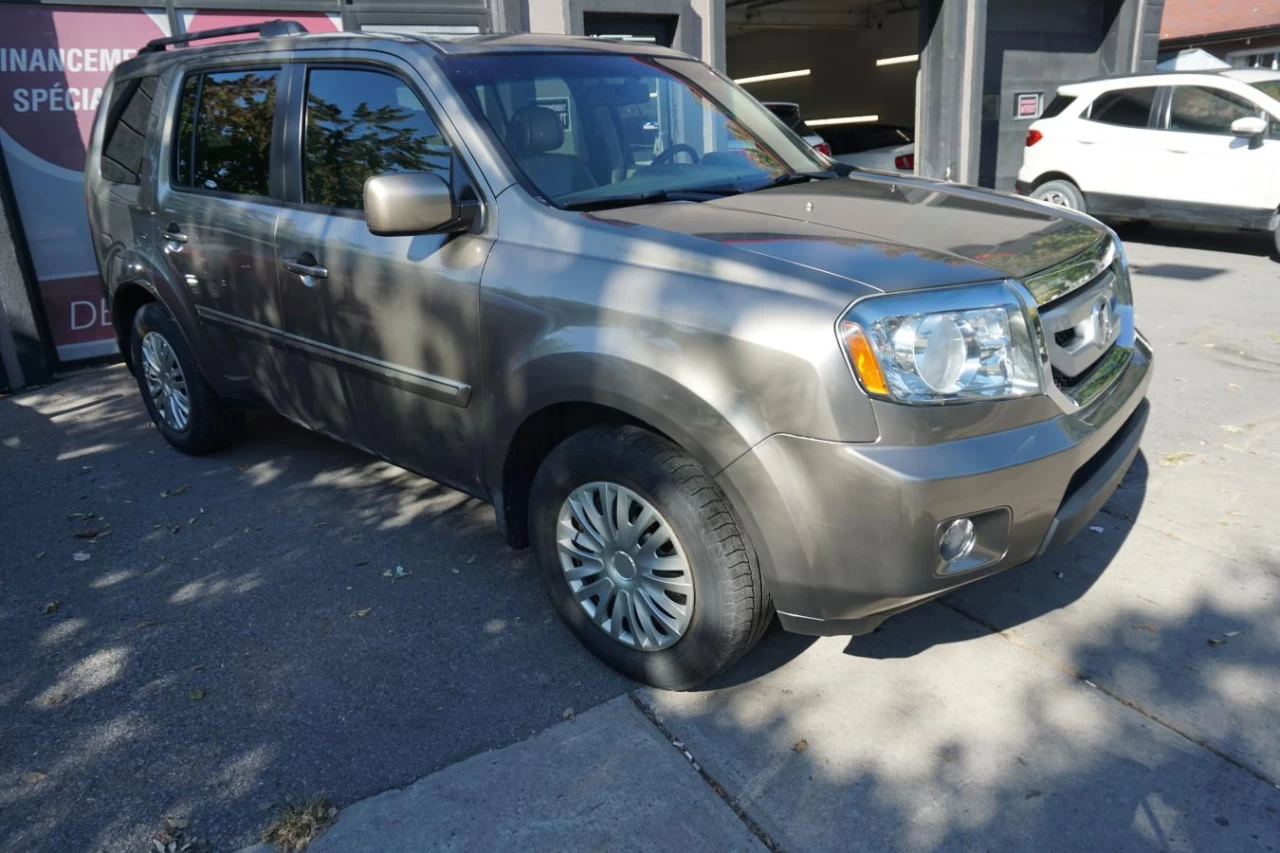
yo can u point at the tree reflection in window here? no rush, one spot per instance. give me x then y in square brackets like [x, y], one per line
[360, 124]
[232, 146]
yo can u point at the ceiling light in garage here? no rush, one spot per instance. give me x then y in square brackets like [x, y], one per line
[898, 60]
[781, 75]
[820, 122]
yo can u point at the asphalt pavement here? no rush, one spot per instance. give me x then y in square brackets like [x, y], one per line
[238, 634]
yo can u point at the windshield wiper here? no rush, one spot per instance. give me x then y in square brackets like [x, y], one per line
[651, 197]
[794, 178]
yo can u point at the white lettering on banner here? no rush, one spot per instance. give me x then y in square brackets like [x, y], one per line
[56, 99]
[73, 59]
[95, 312]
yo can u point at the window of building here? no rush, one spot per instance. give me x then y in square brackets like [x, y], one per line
[1267, 58]
[1124, 107]
[1196, 109]
[225, 123]
[126, 130]
[360, 124]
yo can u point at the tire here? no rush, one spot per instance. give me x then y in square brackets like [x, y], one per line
[210, 424]
[729, 608]
[1060, 193]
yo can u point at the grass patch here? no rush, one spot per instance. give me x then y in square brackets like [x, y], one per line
[298, 824]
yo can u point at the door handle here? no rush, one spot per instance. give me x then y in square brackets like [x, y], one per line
[173, 233]
[1177, 150]
[1087, 141]
[308, 271]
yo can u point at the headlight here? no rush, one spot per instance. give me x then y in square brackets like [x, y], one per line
[951, 345]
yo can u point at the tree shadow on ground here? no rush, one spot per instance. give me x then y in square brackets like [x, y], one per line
[262, 578]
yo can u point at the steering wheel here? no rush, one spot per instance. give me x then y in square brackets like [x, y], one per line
[669, 153]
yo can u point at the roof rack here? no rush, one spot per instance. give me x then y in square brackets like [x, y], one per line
[266, 30]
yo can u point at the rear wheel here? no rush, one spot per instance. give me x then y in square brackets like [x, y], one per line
[1061, 193]
[644, 558]
[182, 405]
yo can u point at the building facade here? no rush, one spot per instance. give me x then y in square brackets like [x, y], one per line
[1242, 33]
[964, 76]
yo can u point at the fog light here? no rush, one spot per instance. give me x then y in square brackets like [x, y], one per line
[957, 540]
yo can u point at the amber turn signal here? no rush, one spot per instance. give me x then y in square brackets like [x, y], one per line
[863, 359]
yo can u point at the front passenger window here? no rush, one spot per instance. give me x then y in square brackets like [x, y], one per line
[361, 124]
[1196, 109]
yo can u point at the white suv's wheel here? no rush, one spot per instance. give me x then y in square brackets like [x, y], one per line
[1060, 194]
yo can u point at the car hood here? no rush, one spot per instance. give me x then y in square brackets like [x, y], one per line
[887, 231]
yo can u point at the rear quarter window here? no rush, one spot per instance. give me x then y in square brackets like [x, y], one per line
[1058, 105]
[128, 116]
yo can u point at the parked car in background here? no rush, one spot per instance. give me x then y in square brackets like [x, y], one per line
[731, 378]
[887, 147]
[1190, 148]
[789, 112]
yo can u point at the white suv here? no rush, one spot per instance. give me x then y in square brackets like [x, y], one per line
[1181, 147]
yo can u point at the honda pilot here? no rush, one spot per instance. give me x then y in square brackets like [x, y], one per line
[706, 373]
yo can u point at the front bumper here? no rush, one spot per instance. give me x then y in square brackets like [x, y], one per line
[847, 534]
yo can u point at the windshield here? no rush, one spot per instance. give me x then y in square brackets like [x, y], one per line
[590, 129]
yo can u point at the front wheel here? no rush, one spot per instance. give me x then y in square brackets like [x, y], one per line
[1060, 194]
[644, 558]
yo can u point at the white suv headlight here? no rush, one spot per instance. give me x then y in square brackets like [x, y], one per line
[942, 346]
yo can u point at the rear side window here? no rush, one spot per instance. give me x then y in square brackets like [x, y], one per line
[1058, 104]
[224, 129]
[360, 124]
[126, 130]
[1196, 109]
[1124, 107]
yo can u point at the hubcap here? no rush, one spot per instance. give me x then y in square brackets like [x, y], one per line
[624, 566]
[1058, 198]
[165, 381]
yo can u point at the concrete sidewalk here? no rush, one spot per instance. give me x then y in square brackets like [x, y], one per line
[608, 780]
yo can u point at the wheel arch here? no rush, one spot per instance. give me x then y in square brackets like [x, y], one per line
[620, 393]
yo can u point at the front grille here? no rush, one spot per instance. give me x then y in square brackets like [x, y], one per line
[1086, 317]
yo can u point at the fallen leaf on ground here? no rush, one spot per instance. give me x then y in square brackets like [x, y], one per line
[177, 822]
[173, 493]
[1150, 629]
[243, 466]
[1216, 642]
[568, 714]
[87, 533]
[73, 516]
[33, 777]
[13, 441]
[1098, 529]
[364, 562]
[360, 614]
[1230, 633]
[1231, 386]
[1177, 458]
[319, 524]
[80, 556]
[51, 607]
[1031, 795]
[800, 745]
[41, 554]
[146, 624]
[196, 694]
[55, 699]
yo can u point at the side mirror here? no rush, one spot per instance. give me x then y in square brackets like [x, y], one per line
[408, 203]
[1250, 127]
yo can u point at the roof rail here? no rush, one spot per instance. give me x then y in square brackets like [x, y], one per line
[266, 30]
